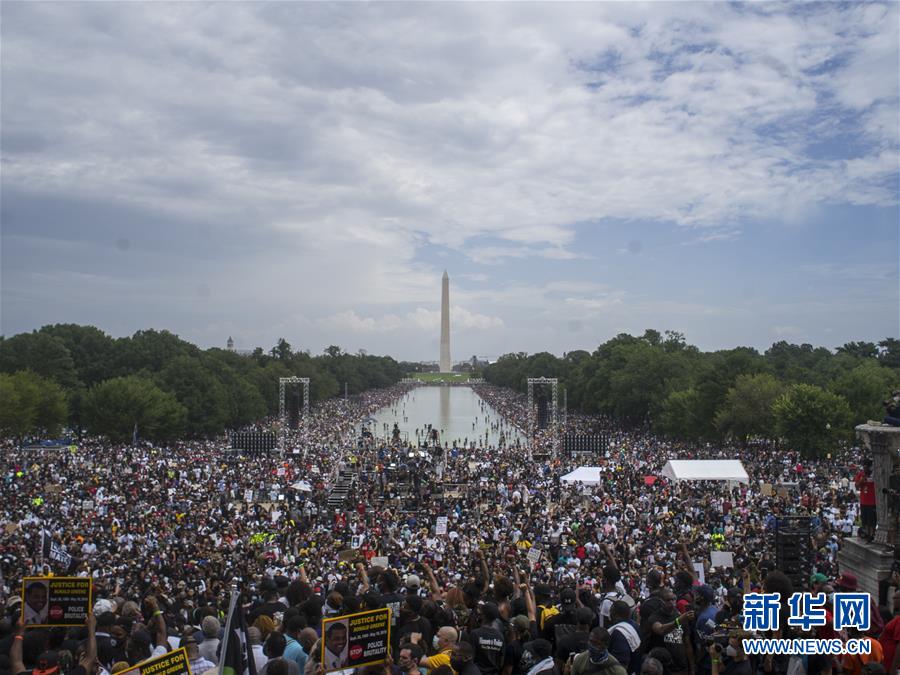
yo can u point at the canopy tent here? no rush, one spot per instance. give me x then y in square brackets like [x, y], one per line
[589, 475]
[705, 469]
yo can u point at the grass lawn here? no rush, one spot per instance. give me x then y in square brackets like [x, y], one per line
[440, 377]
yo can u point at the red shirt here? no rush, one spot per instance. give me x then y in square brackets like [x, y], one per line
[866, 487]
[889, 639]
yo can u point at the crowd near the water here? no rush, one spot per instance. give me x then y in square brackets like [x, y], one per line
[529, 575]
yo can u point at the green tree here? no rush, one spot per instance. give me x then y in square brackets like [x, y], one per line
[811, 419]
[199, 391]
[716, 375]
[116, 407]
[889, 352]
[678, 417]
[864, 388]
[93, 352]
[245, 402]
[150, 351]
[860, 350]
[31, 404]
[747, 410]
[40, 353]
[282, 351]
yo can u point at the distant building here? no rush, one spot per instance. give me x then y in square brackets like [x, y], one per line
[230, 344]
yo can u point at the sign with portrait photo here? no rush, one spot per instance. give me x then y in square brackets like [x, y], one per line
[356, 640]
[56, 601]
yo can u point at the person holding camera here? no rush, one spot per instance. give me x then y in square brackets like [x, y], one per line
[732, 660]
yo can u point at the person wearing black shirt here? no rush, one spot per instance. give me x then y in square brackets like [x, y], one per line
[577, 641]
[270, 605]
[487, 642]
[410, 622]
[388, 583]
[521, 632]
[671, 631]
[563, 623]
[462, 659]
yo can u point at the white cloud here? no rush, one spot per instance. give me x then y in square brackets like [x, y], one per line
[337, 149]
[438, 125]
[420, 318]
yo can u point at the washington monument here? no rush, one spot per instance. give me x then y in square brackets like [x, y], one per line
[446, 365]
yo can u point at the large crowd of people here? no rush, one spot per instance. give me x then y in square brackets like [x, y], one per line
[525, 575]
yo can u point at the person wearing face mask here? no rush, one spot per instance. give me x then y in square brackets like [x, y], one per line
[735, 660]
[596, 660]
[408, 657]
[462, 659]
[443, 646]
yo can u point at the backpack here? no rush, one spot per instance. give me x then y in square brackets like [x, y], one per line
[615, 596]
[546, 613]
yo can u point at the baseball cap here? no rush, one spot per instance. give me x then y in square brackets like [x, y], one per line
[47, 664]
[543, 590]
[521, 622]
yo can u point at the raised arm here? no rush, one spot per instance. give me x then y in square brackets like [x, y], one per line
[685, 557]
[610, 556]
[517, 577]
[157, 622]
[15, 650]
[363, 577]
[485, 574]
[436, 593]
[89, 660]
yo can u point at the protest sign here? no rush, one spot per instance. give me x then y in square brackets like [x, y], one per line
[701, 573]
[56, 601]
[721, 559]
[171, 663]
[534, 556]
[380, 561]
[356, 640]
[441, 525]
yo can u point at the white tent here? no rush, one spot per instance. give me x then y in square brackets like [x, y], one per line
[705, 469]
[589, 475]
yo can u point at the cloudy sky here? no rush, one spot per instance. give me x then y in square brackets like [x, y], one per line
[308, 170]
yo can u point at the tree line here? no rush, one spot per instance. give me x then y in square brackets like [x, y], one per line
[67, 375]
[808, 396]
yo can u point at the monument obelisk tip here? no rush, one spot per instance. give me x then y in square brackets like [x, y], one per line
[446, 365]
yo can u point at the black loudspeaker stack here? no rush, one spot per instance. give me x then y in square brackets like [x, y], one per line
[794, 553]
[254, 442]
[585, 443]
